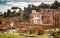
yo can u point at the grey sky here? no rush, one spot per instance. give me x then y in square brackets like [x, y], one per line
[22, 3]
[34, 0]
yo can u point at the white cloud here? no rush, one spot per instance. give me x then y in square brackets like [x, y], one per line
[23, 4]
[18, 4]
[33, 0]
[4, 8]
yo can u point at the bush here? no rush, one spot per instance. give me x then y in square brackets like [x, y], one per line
[30, 32]
[56, 34]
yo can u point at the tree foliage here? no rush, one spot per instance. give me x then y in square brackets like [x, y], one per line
[55, 5]
[27, 11]
[56, 34]
[42, 5]
[11, 14]
[14, 8]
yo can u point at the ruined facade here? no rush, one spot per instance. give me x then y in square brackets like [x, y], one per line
[42, 17]
[45, 18]
[48, 18]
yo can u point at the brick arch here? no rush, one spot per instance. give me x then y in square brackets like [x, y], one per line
[39, 29]
[36, 29]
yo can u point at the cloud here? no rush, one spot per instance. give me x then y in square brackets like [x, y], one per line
[33, 0]
[18, 4]
[23, 3]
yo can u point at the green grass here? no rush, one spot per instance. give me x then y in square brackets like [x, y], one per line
[31, 35]
[38, 36]
[17, 35]
[42, 36]
[11, 35]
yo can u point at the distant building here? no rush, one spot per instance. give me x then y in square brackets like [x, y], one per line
[48, 18]
[36, 17]
[42, 17]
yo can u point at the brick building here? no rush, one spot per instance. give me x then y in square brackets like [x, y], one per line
[48, 18]
[36, 17]
[42, 17]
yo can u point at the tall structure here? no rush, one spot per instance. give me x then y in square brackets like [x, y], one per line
[36, 17]
[41, 18]
[56, 18]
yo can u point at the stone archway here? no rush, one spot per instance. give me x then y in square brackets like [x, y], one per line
[36, 30]
[39, 30]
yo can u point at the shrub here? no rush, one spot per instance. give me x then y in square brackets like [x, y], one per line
[56, 34]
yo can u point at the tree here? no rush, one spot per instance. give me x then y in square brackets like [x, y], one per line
[56, 34]
[55, 5]
[20, 9]
[0, 13]
[13, 12]
[59, 4]
[30, 32]
[5, 14]
[30, 5]
[8, 12]
[27, 12]
[14, 8]
[42, 5]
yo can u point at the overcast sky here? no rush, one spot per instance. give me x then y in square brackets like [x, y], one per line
[21, 3]
[34, 0]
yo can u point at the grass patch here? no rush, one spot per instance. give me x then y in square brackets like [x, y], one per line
[17, 35]
[11, 35]
[42, 36]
